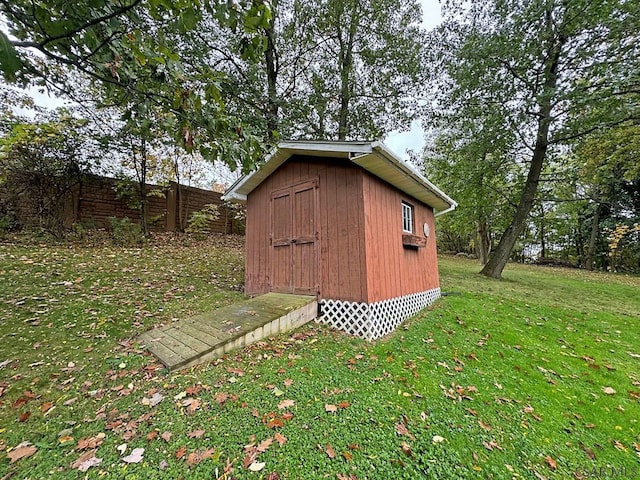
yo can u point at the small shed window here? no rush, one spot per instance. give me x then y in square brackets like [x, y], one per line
[407, 217]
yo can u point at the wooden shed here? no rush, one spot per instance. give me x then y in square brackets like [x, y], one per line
[349, 222]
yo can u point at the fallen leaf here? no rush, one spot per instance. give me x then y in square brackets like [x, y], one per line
[331, 453]
[273, 476]
[121, 448]
[21, 452]
[166, 436]
[330, 408]
[484, 425]
[264, 445]
[193, 405]
[181, 452]
[608, 391]
[288, 382]
[401, 429]
[256, 466]
[275, 423]
[286, 404]
[86, 461]
[590, 453]
[20, 402]
[281, 439]
[45, 407]
[619, 445]
[198, 456]
[155, 399]
[406, 448]
[347, 456]
[90, 442]
[24, 416]
[344, 404]
[491, 445]
[135, 456]
[196, 433]
[551, 462]
[221, 397]
[437, 439]
[65, 439]
[152, 435]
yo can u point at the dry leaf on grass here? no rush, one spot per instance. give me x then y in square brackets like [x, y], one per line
[484, 425]
[406, 448]
[331, 453]
[551, 462]
[286, 404]
[281, 439]
[86, 461]
[330, 408]
[401, 429]
[256, 466]
[21, 452]
[135, 456]
[90, 442]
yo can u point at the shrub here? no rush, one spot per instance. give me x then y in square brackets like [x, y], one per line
[125, 233]
[200, 222]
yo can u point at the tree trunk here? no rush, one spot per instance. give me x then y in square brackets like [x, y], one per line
[346, 68]
[483, 241]
[271, 62]
[543, 242]
[176, 168]
[595, 227]
[142, 187]
[501, 254]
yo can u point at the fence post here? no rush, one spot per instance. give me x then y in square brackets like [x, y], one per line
[170, 225]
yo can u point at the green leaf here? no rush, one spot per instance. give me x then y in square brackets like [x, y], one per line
[9, 61]
[189, 19]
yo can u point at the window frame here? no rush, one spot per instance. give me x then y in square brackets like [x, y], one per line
[408, 217]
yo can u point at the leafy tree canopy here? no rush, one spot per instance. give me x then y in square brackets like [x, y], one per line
[547, 72]
[131, 51]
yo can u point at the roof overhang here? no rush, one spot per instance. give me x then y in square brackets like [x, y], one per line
[373, 157]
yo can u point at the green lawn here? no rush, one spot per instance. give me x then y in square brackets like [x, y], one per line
[535, 376]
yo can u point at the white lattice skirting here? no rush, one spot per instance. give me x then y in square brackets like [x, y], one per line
[374, 320]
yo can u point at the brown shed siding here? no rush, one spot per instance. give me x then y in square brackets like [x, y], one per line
[342, 272]
[393, 270]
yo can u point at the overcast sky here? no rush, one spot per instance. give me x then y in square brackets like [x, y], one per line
[400, 142]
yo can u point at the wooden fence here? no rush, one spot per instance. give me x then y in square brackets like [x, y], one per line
[94, 199]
